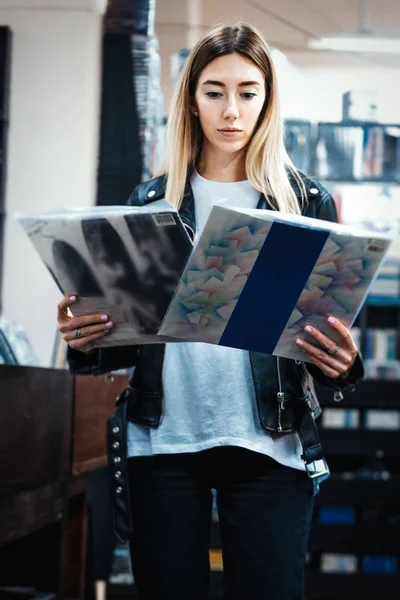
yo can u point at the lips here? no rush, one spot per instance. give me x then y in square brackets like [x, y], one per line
[230, 130]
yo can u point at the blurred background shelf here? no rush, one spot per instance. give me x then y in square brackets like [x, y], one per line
[366, 587]
[358, 492]
[368, 394]
[364, 538]
[360, 442]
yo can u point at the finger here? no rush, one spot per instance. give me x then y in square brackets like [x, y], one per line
[82, 321]
[328, 344]
[323, 358]
[66, 301]
[81, 343]
[87, 331]
[326, 369]
[345, 334]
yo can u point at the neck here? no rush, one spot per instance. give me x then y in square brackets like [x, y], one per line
[220, 166]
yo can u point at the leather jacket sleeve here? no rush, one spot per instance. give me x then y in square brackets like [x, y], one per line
[326, 208]
[101, 360]
[344, 383]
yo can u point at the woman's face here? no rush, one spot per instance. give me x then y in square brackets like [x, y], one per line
[229, 97]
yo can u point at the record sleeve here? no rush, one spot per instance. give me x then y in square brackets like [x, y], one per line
[121, 261]
[257, 277]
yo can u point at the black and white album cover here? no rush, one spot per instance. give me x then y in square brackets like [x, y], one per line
[123, 261]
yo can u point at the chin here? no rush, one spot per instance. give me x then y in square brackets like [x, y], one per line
[231, 147]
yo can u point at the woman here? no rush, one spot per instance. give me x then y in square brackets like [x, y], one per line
[204, 417]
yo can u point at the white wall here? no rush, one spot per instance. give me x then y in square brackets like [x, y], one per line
[290, 81]
[52, 143]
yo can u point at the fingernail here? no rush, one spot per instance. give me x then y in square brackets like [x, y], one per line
[104, 317]
[72, 298]
[331, 320]
[308, 329]
[109, 324]
[299, 342]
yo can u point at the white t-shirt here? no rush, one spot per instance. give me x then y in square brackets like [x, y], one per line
[209, 394]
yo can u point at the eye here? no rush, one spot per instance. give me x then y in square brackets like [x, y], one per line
[248, 95]
[213, 95]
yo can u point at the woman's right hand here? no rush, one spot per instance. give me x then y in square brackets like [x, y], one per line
[78, 332]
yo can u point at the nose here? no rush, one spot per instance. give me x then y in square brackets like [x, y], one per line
[231, 112]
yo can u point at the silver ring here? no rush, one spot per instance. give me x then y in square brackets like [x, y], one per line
[78, 332]
[334, 351]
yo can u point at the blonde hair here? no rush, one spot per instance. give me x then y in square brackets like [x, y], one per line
[267, 163]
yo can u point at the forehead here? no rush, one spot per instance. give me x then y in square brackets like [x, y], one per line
[231, 68]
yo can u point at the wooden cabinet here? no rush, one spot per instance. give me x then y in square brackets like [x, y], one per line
[52, 433]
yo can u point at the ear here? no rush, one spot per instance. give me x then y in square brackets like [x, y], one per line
[194, 111]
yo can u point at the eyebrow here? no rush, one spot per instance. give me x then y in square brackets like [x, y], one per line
[220, 84]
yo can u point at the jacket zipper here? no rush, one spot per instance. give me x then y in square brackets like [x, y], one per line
[280, 396]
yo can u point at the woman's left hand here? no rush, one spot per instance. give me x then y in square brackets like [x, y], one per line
[334, 359]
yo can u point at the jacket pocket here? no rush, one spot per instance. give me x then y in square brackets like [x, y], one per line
[280, 417]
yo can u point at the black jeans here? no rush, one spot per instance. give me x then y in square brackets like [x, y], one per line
[265, 514]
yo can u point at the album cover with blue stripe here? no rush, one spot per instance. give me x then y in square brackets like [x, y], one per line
[256, 277]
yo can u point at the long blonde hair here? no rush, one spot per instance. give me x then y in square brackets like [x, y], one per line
[267, 162]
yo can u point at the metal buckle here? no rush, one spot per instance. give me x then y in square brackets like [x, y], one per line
[314, 469]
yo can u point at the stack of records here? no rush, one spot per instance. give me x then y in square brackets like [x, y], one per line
[149, 100]
[298, 143]
[130, 16]
[143, 16]
[358, 152]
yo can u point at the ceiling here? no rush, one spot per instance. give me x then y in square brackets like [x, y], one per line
[288, 24]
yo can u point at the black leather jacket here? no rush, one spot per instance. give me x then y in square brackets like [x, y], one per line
[145, 393]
